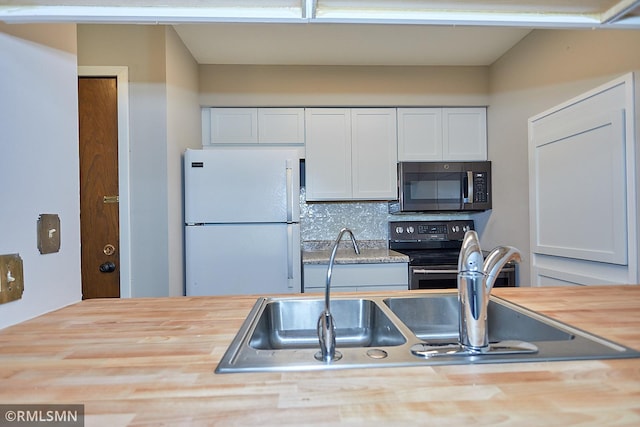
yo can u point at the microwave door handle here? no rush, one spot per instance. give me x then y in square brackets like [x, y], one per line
[468, 195]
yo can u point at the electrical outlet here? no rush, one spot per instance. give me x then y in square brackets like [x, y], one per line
[11, 278]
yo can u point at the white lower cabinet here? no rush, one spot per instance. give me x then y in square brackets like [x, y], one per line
[357, 277]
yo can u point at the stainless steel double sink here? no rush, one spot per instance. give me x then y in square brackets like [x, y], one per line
[280, 334]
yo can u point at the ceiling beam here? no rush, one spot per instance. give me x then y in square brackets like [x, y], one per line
[307, 11]
[617, 12]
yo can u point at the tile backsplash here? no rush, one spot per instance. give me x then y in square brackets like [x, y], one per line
[367, 219]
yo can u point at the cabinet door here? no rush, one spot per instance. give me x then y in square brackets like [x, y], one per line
[234, 125]
[281, 125]
[464, 133]
[357, 277]
[419, 134]
[374, 153]
[578, 188]
[328, 154]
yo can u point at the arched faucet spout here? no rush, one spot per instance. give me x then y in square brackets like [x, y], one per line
[326, 326]
[497, 259]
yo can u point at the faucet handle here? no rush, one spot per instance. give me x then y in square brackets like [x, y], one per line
[470, 258]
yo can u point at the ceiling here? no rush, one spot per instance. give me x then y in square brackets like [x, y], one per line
[340, 32]
[339, 44]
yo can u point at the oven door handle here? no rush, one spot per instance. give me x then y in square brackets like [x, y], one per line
[424, 271]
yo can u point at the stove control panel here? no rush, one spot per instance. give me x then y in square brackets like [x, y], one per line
[428, 231]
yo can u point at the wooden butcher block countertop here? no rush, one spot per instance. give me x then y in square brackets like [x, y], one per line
[151, 361]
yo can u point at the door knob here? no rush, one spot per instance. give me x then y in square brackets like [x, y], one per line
[107, 267]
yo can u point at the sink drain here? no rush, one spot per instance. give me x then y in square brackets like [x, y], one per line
[376, 353]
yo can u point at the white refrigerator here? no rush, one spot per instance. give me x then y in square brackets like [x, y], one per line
[242, 221]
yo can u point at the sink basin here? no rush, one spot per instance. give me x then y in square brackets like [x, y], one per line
[292, 324]
[279, 334]
[435, 320]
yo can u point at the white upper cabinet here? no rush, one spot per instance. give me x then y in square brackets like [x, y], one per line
[442, 134]
[234, 125]
[328, 154]
[419, 134]
[464, 134]
[281, 125]
[253, 126]
[351, 154]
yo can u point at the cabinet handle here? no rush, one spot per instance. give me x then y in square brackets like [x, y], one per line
[434, 271]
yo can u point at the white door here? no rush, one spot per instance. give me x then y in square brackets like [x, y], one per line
[579, 189]
[241, 259]
[583, 189]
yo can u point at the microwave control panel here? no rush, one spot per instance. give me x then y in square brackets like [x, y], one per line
[480, 191]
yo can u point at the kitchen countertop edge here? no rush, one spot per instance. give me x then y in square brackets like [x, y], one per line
[348, 256]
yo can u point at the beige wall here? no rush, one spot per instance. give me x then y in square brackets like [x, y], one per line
[546, 68]
[164, 120]
[183, 131]
[142, 49]
[273, 85]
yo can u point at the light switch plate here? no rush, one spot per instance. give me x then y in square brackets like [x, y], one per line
[48, 233]
[11, 278]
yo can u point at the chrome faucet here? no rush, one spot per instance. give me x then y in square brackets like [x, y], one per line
[475, 281]
[326, 327]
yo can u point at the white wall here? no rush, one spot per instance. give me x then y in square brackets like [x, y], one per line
[183, 131]
[546, 68]
[39, 164]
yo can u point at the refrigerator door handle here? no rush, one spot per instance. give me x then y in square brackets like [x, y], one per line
[290, 255]
[289, 190]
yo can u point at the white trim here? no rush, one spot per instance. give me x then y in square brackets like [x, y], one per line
[626, 79]
[307, 11]
[122, 77]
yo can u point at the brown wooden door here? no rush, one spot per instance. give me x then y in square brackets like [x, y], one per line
[99, 221]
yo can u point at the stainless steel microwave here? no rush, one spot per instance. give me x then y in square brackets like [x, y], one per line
[443, 187]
